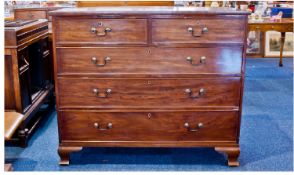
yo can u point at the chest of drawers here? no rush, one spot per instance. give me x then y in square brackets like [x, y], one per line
[149, 77]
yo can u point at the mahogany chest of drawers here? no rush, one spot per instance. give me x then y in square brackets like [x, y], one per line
[149, 77]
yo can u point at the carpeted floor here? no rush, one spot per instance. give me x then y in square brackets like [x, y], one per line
[266, 136]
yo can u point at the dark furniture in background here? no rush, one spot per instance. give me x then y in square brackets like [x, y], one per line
[149, 77]
[35, 13]
[283, 26]
[28, 72]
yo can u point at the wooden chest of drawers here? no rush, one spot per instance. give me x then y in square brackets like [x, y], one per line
[149, 77]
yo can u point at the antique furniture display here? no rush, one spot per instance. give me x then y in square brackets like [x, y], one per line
[283, 26]
[28, 81]
[149, 77]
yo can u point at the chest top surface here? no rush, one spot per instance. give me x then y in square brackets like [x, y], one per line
[155, 10]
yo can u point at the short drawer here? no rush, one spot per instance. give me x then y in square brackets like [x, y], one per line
[273, 27]
[33, 14]
[101, 31]
[204, 30]
[148, 126]
[150, 60]
[148, 93]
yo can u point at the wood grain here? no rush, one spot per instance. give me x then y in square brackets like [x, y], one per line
[148, 74]
[123, 3]
[151, 92]
[9, 91]
[123, 31]
[30, 14]
[12, 122]
[176, 30]
[232, 154]
[149, 60]
[148, 126]
[143, 11]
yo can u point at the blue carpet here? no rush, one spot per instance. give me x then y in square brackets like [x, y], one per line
[266, 136]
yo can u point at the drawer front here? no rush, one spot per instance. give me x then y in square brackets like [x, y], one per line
[150, 60]
[148, 126]
[101, 31]
[273, 27]
[148, 93]
[30, 15]
[203, 30]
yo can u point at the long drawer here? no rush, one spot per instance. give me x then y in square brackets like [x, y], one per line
[148, 93]
[148, 126]
[150, 60]
[198, 30]
[101, 31]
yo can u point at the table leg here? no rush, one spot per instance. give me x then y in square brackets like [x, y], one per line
[281, 48]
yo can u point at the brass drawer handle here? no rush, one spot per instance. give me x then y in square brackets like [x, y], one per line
[95, 61]
[198, 126]
[200, 93]
[108, 126]
[191, 30]
[104, 94]
[201, 61]
[100, 31]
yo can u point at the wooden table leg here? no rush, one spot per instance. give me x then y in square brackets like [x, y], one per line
[282, 48]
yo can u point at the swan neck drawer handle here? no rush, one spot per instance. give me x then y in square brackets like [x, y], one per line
[108, 126]
[105, 61]
[99, 31]
[197, 34]
[104, 94]
[202, 60]
[191, 94]
[198, 126]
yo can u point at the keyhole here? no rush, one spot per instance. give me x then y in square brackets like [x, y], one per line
[99, 23]
[149, 51]
[149, 82]
[149, 115]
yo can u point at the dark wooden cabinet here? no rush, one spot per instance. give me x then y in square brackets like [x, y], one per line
[149, 77]
[28, 80]
[34, 13]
